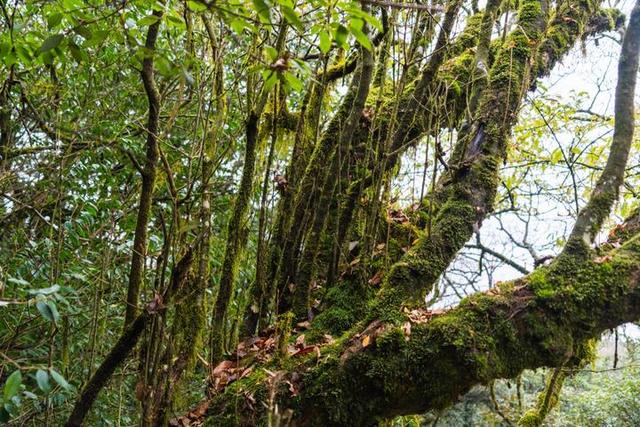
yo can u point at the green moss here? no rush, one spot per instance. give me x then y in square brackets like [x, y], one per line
[284, 325]
[241, 403]
[546, 319]
[346, 303]
[469, 36]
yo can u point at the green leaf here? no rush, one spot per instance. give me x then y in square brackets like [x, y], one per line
[272, 52]
[270, 80]
[78, 276]
[42, 378]
[30, 395]
[359, 13]
[24, 54]
[18, 281]
[54, 19]
[556, 156]
[60, 379]
[293, 81]
[83, 31]
[341, 35]
[148, 20]
[78, 54]
[165, 67]
[48, 310]
[51, 42]
[196, 6]
[96, 38]
[262, 9]
[360, 36]
[12, 385]
[237, 25]
[292, 17]
[175, 21]
[325, 41]
[45, 291]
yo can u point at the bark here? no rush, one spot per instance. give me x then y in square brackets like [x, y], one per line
[540, 320]
[235, 242]
[607, 188]
[148, 173]
[236, 228]
[401, 365]
[300, 297]
[127, 342]
[116, 356]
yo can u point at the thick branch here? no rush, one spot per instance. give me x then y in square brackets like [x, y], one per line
[605, 193]
[540, 320]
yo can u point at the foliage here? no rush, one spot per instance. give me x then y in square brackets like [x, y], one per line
[308, 168]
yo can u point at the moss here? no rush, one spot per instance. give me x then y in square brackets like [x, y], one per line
[283, 333]
[241, 402]
[517, 326]
[469, 36]
[189, 321]
[583, 354]
[346, 303]
[605, 19]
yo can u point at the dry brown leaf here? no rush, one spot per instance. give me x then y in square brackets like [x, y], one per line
[304, 325]
[376, 279]
[223, 366]
[406, 329]
[603, 259]
[305, 350]
[140, 390]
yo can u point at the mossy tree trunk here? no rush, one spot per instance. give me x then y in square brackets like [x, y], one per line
[388, 364]
[385, 364]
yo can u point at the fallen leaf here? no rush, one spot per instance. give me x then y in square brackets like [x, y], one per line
[304, 325]
[246, 372]
[376, 279]
[603, 259]
[223, 366]
[406, 329]
[305, 350]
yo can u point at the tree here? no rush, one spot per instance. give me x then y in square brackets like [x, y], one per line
[318, 106]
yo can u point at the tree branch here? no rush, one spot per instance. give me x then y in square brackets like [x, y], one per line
[607, 188]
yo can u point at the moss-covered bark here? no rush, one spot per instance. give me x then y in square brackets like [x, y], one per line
[466, 192]
[390, 368]
[148, 172]
[540, 320]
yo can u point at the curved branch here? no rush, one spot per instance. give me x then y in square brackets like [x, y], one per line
[540, 320]
[606, 191]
